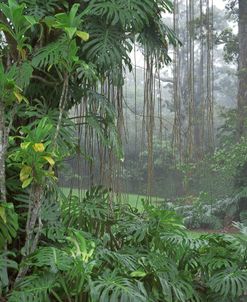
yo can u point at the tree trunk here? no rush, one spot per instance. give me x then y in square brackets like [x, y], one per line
[34, 223]
[2, 152]
[33, 227]
[242, 72]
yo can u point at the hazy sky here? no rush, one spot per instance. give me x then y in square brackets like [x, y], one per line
[219, 3]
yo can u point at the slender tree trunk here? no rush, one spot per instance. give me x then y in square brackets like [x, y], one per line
[32, 228]
[242, 72]
[33, 215]
[34, 223]
[2, 152]
[191, 83]
[148, 120]
[201, 87]
[177, 143]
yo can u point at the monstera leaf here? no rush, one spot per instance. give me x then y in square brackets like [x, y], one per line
[8, 223]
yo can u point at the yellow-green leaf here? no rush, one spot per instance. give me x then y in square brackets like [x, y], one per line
[20, 97]
[51, 174]
[3, 214]
[26, 182]
[83, 35]
[25, 145]
[25, 173]
[138, 274]
[50, 160]
[70, 31]
[39, 147]
[49, 67]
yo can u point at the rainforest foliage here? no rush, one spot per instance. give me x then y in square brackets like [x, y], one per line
[63, 66]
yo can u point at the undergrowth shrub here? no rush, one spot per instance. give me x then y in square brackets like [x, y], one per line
[112, 252]
[201, 213]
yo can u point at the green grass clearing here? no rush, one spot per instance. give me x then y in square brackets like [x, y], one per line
[135, 200]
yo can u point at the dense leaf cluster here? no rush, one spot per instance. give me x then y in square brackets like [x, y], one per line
[125, 255]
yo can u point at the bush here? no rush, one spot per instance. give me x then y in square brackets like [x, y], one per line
[120, 254]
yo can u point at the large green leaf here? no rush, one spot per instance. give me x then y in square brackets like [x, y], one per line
[112, 287]
[232, 282]
[8, 223]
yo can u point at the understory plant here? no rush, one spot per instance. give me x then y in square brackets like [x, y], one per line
[121, 254]
[202, 213]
